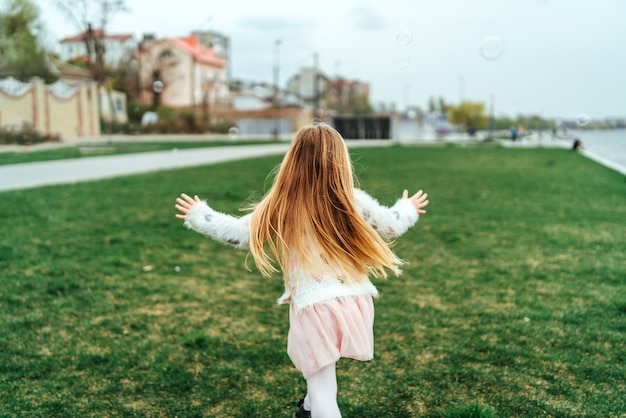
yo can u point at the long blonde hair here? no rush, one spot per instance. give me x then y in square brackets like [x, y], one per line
[310, 213]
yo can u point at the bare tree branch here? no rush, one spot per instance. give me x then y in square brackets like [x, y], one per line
[83, 14]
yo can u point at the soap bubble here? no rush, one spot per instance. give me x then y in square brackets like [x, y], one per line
[404, 37]
[492, 48]
[583, 119]
[157, 86]
[259, 91]
[233, 132]
[177, 269]
[403, 62]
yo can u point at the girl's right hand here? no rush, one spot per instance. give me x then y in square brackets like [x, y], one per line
[184, 204]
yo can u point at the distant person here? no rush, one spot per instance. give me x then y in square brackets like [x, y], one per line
[577, 145]
[327, 238]
[471, 131]
[513, 132]
[441, 132]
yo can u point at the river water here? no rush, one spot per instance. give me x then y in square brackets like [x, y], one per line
[607, 146]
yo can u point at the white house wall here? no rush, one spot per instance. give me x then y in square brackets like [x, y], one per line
[183, 81]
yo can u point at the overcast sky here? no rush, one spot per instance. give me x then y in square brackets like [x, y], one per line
[556, 58]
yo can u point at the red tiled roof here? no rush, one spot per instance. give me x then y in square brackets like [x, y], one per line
[97, 33]
[341, 82]
[200, 53]
[192, 46]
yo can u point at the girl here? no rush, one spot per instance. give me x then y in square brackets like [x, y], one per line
[327, 237]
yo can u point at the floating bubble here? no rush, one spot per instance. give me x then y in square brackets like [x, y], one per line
[157, 86]
[177, 269]
[403, 62]
[259, 91]
[233, 132]
[404, 37]
[492, 48]
[583, 119]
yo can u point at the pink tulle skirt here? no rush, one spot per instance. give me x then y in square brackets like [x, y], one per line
[319, 335]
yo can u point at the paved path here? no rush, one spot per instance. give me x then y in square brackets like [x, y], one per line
[28, 175]
[45, 173]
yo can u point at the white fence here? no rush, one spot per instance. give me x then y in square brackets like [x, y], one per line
[59, 110]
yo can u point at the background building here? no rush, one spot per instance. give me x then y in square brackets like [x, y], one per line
[192, 74]
[118, 48]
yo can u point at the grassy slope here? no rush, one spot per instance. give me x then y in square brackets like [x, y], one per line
[513, 302]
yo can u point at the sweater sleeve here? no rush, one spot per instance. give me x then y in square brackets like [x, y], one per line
[389, 222]
[223, 228]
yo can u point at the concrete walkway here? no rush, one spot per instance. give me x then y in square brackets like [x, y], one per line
[36, 174]
[46, 173]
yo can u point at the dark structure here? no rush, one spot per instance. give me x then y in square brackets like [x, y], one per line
[363, 127]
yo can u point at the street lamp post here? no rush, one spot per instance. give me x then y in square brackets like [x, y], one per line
[492, 116]
[276, 81]
[461, 89]
[316, 87]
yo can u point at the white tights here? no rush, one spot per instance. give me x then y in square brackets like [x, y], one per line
[321, 398]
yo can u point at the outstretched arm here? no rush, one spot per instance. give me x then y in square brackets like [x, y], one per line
[200, 217]
[391, 222]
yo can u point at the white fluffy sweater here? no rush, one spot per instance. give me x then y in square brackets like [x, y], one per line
[309, 289]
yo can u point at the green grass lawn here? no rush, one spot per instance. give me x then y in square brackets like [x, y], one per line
[115, 148]
[513, 303]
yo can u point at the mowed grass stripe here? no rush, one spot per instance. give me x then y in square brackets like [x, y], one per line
[512, 304]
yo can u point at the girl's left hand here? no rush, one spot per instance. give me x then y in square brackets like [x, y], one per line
[418, 200]
[184, 204]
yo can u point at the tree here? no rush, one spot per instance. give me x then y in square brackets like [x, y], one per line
[469, 114]
[443, 106]
[504, 122]
[438, 105]
[21, 54]
[157, 62]
[348, 97]
[432, 106]
[533, 122]
[91, 18]
[84, 14]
